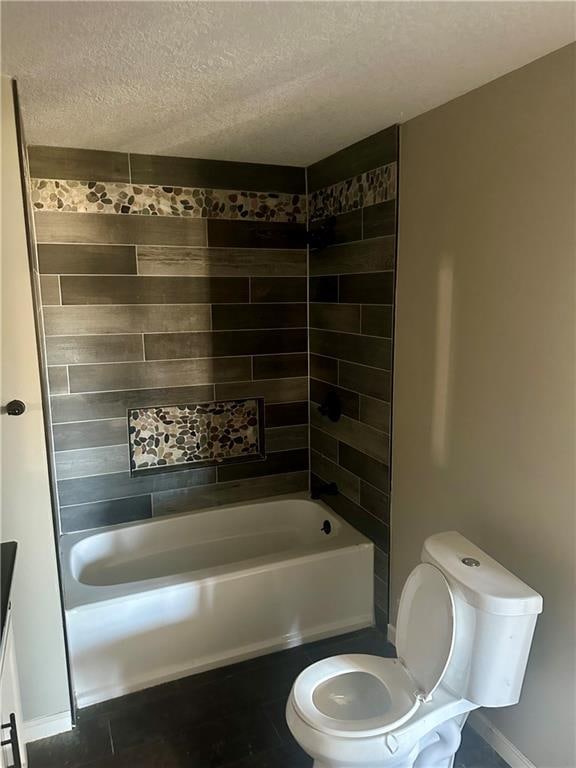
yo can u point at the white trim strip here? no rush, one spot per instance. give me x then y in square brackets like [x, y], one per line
[499, 743]
[42, 727]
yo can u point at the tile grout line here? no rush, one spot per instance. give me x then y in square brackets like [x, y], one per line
[246, 355]
[106, 334]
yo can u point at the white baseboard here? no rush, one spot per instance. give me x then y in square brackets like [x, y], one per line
[499, 743]
[42, 727]
[484, 728]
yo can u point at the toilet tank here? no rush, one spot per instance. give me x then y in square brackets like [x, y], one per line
[495, 615]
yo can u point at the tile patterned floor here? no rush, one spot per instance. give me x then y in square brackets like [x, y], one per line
[232, 717]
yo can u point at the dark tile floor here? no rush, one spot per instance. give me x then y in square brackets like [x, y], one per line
[232, 717]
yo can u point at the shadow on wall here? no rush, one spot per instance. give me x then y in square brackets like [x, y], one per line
[443, 361]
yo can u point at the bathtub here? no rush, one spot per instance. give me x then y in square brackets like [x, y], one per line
[150, 602]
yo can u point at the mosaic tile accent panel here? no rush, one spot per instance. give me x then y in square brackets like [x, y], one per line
[369, 188]
[151, 200]
[164, 438]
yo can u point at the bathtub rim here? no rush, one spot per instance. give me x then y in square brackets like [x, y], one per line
[79, 596]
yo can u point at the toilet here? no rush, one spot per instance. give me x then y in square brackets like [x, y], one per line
[463, 635]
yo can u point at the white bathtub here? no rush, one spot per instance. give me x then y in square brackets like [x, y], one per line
[150, 602]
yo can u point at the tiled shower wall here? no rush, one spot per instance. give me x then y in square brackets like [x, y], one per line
[204, 300]
[352, 208]
[171, 280]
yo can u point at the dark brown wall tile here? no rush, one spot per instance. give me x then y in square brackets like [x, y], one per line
[272, 390]
[109, 319]
[77, 164]
[379, 149]
[220, 262]
[63, 350]
[167, 346]
[353, 278]
[319, 391]
[380, 619]
[216, 174]
[335, 317]
[279, 366]
[90, 434]
[125, 289]
[58, 379]
[324, 368]
[377, 321]
[365, 380]
[380, 594]
[99, 514]
[367, 350]
[236, 316]
[164, 373]
[50, 290]
[374, 472]
[129, 229]
[375, 501]
[354, 433]
[344, 228]
[381, 563]
[374, 288]
[274, 464]
[278, 289]
[121, 485]
[374, 255]
[114, 404]
[87, 259]
[379, 220]
[283, 414]
[324, 444]
[323, 289]
[375, 412]
[189, 499]
[286, 438]
[128, 276]
[223, 233]
[86, 462]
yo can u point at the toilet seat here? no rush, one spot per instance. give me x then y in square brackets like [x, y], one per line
[357, 696]
[399, 698]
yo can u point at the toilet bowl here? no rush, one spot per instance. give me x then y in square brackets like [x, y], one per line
[463, 634]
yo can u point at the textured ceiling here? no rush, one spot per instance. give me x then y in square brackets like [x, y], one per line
[274, 82]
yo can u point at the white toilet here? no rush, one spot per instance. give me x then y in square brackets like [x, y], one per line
[463, 635]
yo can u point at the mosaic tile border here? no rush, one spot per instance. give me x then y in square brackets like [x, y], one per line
[369, 188]
[152, 200]
[175, 437]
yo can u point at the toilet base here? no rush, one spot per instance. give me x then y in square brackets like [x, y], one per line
[437, 750]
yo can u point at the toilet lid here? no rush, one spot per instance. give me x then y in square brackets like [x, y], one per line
[425, 628]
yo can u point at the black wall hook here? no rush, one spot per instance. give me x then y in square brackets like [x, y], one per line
[15, 408]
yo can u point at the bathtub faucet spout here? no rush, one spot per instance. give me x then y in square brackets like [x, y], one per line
[324, 489]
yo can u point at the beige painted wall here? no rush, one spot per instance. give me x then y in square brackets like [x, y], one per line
[484, 419]
[26, 515]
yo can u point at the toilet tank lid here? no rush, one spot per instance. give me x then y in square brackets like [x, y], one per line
[482, 581]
